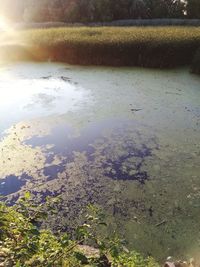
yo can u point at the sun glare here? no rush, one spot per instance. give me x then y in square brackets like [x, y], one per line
[4, 24]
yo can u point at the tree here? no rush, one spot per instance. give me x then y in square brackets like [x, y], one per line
[193, 9]
[174, 8]
[73, 12]
[35, 14]
[138, 9]
[97, 10]
[165, 8]
[102, 10]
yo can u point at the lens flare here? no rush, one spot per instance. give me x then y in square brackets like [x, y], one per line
[4, 25]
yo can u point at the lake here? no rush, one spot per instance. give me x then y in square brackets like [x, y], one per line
[125, 139]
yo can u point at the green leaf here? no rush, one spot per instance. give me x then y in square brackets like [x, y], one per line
[81, 257]
[27, 195]
[18, 264]
[35, 231]
[65, 240]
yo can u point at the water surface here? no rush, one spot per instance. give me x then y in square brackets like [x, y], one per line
[126, 139]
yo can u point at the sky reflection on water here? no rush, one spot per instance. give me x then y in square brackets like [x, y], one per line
[130, 135]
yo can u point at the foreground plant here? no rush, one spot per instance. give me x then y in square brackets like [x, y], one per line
[23, 243]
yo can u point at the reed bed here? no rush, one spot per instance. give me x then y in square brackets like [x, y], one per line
[159, 47]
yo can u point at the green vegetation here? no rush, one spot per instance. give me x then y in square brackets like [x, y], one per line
[193, 9]
[160, 47]
[23, 243]
[97, 10]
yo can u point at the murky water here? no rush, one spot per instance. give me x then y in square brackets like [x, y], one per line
[127, 139]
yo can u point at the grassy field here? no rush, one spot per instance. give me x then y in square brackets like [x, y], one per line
[160, 47]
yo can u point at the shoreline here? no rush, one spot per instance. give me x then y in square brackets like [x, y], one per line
[149, 47]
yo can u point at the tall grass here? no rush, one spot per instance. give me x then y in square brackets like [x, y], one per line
[161, 47]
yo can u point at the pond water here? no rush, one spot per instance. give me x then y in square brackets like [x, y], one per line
[126, 139]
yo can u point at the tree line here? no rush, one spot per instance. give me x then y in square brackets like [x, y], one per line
[97, 10]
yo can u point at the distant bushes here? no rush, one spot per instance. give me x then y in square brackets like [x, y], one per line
[97, 10]
[94, 10]
[154, 22]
